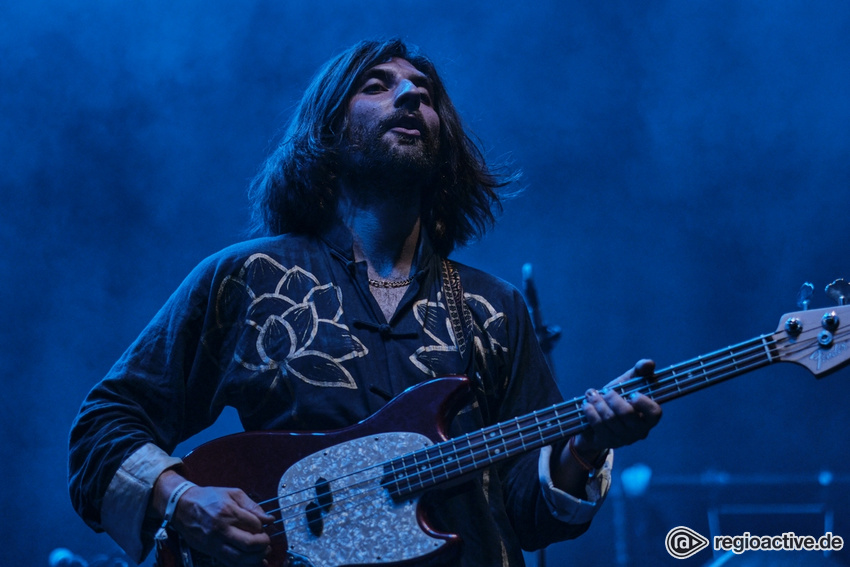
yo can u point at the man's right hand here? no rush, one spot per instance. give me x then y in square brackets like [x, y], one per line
[223, 523]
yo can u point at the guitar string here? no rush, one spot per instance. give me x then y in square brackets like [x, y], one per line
[659, 393]
[624, 386]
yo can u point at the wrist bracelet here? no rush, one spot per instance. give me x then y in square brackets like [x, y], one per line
[171, 506]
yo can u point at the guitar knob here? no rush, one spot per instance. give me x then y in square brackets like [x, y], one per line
[830, 321]
[793, 326]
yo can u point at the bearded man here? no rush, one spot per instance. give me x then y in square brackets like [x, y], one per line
[345, 302]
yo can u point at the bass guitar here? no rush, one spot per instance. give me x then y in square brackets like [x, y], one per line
[351, 496]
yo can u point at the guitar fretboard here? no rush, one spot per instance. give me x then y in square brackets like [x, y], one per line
[463, 455]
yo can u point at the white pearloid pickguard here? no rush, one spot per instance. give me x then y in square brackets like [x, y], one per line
[363, 525]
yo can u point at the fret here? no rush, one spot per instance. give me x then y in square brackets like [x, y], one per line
[559, 421]
[582, 423]
[539, 426]
[544, 429]
[450, 459]
[733, 359]
[405, 474]
[471, 452]
[438, 461]
[675, 380]
[652, 387]
[415, 470]
[527, 429]
[520, 435]
[551, 425]
[494, 439]
[515, 443]
[702, 369]
[578, 403]
[427, 467]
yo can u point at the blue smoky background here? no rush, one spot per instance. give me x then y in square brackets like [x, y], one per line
[686, 168]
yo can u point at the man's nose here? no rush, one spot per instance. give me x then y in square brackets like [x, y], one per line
[407, 96]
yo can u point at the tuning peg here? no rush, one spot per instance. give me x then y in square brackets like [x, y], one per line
[839, 291]
[804, 295]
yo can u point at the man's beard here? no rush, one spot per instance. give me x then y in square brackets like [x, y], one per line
[377, 164]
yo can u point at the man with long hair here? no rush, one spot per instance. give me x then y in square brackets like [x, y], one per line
[344, 300]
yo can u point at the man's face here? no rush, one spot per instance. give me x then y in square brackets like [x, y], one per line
[392, 125]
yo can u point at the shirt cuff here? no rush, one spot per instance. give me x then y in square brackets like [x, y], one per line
[566, 507]
[128, 496]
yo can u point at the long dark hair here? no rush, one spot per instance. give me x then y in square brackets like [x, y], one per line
[295, 190]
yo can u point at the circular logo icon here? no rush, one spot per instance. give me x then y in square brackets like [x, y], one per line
[682, 542]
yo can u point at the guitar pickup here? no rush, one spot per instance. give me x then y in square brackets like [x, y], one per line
[320, 506]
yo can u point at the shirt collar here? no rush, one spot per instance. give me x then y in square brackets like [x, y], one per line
[339, 239]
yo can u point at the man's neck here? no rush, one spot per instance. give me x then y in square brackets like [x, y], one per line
[385, 233]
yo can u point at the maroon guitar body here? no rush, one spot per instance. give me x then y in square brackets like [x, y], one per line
[352, 496]
[359, 521]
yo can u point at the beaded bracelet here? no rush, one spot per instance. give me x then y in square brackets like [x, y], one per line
[588, 468]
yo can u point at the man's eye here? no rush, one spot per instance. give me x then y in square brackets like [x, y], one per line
[373, 88]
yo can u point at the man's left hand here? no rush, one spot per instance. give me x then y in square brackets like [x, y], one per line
[615, 421]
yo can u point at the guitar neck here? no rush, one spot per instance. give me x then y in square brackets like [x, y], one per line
[460, 456]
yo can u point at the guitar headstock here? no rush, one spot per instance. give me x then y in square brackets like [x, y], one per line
[818, 339]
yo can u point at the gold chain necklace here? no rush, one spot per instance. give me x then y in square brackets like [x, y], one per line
[391, 283]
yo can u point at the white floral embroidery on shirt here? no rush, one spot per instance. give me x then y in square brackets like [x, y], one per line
[293, 324]
[441, 354]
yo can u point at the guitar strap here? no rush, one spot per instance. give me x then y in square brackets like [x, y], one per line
[461, 320]
[459, 314]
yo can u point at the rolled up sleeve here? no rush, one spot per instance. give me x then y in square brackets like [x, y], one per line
[126, 501]
[566, 507]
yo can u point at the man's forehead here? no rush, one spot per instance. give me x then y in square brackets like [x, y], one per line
[393, 66]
